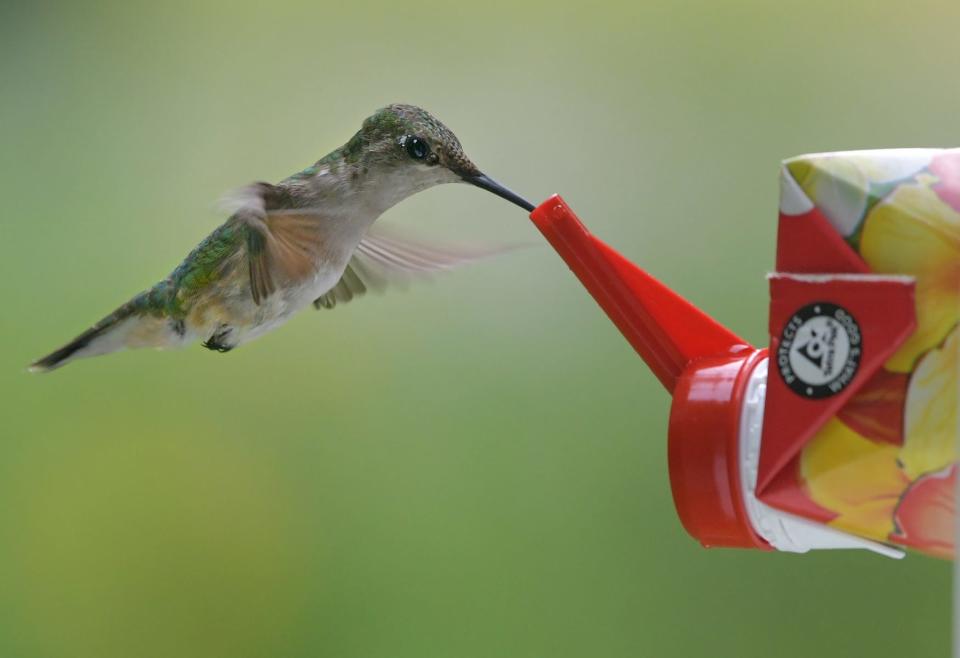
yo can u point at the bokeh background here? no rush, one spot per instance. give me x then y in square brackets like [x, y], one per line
[474, 467]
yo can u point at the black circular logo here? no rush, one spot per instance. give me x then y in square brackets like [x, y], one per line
[820, 349]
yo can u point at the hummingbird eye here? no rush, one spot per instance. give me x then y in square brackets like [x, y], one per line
[416, 147]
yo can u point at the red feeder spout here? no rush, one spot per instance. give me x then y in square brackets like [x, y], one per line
[666, 330]
[703, 365]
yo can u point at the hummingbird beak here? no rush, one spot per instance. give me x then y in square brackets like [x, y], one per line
[486, 183]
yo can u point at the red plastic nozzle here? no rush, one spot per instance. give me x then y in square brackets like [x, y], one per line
[702, 364]
[666, 330]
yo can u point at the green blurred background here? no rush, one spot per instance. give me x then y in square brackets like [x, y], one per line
[475, 467]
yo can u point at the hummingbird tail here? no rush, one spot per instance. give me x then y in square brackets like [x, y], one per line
[131, 325]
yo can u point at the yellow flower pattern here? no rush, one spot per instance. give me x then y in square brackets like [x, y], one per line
[863, 481]
[897, 491]
[913, 232]
[855, 478]
[930, 425]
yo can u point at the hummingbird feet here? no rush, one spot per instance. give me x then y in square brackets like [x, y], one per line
[218, 340]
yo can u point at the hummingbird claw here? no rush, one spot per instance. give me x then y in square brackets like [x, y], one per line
[217, 341]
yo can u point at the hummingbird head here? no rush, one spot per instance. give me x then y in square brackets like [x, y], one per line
[405, 148]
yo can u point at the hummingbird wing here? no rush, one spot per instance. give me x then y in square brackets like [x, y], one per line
[281, 244]
[286, 246]
[384, 258]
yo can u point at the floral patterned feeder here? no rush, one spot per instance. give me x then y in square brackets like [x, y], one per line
[843, 434]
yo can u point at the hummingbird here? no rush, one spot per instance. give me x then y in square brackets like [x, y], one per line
[307, 240]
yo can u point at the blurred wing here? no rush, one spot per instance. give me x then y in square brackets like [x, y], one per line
[384, 259]
[282, 245]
